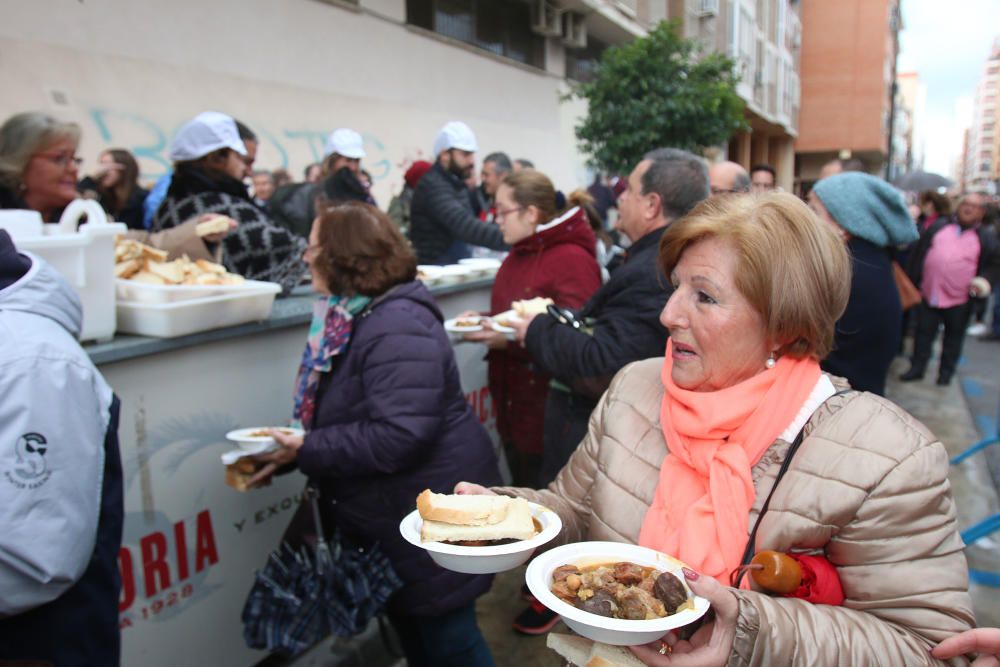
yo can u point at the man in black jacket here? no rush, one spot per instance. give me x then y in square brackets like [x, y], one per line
[621, 321]
[949, 255]
[625, 312]
[293, 206]
[442, 222]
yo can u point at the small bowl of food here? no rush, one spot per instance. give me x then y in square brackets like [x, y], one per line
[257, 439]
[478, 534]
[461, 325]
[615, 593]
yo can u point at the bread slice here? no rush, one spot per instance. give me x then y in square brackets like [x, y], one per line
[527, 308]
[171, 272]
[583, 652]
[575, 649]
[517, 525]
[210, 267]
[606, 655]
[467, 510]
[154, 254]
[147, 278]
[128, 268]
[214, 225]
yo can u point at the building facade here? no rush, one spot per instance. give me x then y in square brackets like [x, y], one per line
[395, 70]
[848, 68]
[764, 37]
[981, 156]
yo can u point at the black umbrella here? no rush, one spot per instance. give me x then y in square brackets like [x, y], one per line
[303, 595]
[918, 181]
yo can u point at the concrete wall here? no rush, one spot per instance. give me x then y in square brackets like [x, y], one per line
[131, 72]
[845, 93]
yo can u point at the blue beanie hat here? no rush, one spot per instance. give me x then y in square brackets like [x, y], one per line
[867, 207]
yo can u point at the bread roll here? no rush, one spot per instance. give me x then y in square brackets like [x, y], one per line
[518, 524]
[469, 510]
[214, 225]
[527, 308]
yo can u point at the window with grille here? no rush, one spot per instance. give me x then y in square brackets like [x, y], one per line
[502, 28]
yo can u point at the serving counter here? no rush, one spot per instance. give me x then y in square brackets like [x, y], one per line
[191, 543]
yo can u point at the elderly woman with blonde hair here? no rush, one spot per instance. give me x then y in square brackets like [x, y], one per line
[736, 442]
[39, 169]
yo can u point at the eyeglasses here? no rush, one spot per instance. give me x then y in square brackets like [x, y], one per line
[61, 159]
[500, 214]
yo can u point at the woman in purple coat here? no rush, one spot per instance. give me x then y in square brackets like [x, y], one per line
[379, 396]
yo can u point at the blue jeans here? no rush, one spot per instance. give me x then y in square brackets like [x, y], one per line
[450, 640]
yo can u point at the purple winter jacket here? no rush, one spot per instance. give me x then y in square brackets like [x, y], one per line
[391, 421]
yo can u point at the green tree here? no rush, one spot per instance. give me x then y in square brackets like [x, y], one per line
[656, 91]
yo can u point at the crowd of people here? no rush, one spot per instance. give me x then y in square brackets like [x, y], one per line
[709, 384]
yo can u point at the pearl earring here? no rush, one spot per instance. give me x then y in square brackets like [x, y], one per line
[771, 361]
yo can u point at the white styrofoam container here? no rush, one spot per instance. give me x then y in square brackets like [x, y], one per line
[133, 292]
[180, 318]
[86, 259]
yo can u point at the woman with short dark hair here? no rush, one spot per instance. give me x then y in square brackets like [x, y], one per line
[379, 395]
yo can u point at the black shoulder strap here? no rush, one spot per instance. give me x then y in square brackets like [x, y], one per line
[748, 552]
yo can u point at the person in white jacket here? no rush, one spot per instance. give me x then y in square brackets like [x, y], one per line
[60, 476]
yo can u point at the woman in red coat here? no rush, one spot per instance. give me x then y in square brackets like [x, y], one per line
[553, 254]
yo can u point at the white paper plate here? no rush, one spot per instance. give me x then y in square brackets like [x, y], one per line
[452, 326]
[258, 444]
[618, 631]
[483, 560]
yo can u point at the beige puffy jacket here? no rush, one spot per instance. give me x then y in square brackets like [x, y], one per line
[868, 485]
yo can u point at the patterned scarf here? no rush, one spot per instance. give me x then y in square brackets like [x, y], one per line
[329, 335]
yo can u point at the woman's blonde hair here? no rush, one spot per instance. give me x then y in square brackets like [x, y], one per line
[26, 134]
[791, 266]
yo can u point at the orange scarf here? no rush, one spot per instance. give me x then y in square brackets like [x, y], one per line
[701, 509]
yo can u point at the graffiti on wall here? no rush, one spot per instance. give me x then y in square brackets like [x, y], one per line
[149, 141]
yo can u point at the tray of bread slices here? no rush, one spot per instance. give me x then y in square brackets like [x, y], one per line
[165, 299]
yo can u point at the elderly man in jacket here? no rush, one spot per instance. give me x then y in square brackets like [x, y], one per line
[442, 222]
[60, 477]
[622, 317]
[947, 259]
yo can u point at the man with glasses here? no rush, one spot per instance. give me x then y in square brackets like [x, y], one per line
[728, 177]
[442, 222]
[947, 259]
[618, 325]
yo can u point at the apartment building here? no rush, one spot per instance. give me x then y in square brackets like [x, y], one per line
[981, 155]
[396, 70]
[848, 66]
[764, 37]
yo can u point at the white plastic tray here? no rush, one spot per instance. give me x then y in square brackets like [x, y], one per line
[134, 292]
[180, 318]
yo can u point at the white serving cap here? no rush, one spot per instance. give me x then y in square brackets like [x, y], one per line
[455, 134]
[208, 131]
[344, 142]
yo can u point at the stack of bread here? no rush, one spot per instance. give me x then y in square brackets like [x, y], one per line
[582, 652]
[474, 520]
[144, 264]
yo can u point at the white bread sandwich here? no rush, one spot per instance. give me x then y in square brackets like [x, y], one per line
[214, 225]
[537, 306]
[583, 652]
[472, 520]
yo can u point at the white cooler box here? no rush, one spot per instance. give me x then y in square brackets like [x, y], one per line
[85, 257]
